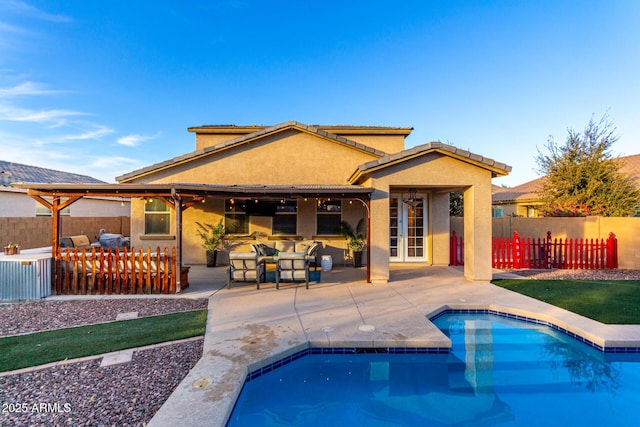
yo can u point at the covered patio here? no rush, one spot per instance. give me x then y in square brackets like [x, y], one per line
[178, 197]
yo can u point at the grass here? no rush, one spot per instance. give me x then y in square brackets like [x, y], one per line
[51, 346]
[607, 301]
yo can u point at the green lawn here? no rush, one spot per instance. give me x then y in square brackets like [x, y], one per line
[607, 301]
[69, 343]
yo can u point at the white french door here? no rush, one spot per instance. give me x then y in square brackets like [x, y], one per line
[408, 228]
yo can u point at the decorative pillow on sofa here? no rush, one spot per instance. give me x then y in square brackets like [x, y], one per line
[265, 250]
[313, 249]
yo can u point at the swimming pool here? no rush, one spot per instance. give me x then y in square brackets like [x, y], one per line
[499, 372]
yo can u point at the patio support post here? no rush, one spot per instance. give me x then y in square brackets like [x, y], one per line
[367, 206]
[55, 226]
[368, 242]
[177, 202]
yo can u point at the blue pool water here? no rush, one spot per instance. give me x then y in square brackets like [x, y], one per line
[499, 372]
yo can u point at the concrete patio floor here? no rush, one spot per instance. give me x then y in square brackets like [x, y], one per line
[249, 328]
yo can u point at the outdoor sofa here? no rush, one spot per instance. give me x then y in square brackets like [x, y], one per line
[266, 250]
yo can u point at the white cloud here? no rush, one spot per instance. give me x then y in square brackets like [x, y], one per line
[134, 140]
[28, 88]
[97, 133]
[14, 114]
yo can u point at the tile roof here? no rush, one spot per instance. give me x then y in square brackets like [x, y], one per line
[11, 172]
[390, 159]
[522, 192]
[260, 132]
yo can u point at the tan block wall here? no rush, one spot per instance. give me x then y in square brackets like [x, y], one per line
[36, 232]
[625, 229]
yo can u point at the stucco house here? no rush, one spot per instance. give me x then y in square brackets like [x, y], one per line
[524, 201]
[296, 181]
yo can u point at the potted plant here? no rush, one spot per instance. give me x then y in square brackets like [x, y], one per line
[212, 236]
[356, 240]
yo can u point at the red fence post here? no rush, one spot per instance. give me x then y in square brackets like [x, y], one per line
[453, 252]
[612, 251]
[516, 251]
[547, 251]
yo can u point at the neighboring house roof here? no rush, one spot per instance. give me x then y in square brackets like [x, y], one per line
[631, 166]
[523, 192]
[528, 191]
[248, 138]
[11, 172]
[497, 168]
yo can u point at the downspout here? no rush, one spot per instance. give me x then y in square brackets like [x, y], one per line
[367, 205]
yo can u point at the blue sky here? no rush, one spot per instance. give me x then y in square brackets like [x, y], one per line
[106, 87]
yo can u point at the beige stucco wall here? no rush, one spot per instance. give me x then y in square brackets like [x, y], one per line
[386, 143]
[204, 140]
[433, 173]
[286, 158]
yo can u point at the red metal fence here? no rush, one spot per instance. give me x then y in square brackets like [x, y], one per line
[456, 250]
[547, 253]
[115, 271]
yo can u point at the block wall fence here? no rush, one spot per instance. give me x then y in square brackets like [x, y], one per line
[627, 230]
[35, 232]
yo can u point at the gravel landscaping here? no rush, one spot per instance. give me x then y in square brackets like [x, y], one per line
[577, 274]
[83, 393]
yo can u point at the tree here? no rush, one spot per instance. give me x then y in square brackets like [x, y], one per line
[456, 203]
[582, 177]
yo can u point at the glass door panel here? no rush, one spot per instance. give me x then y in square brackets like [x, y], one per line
[407, 228]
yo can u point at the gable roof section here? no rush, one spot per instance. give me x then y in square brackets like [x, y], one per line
[334, 129]
[496, 168]
[261, 132]
[11, 172]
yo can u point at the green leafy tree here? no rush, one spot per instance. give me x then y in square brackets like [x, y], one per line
[582, 177]
[456, 204]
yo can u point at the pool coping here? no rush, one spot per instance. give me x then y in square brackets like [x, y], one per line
[259, 368]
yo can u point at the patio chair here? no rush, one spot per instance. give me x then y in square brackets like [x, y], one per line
[245, 267]
[292, 266]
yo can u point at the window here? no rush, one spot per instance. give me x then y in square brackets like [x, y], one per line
[531, 212]
[236, 220]
[157, 217]
[328, 217]
[496, 211]
[41, 210]
[285, 221]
